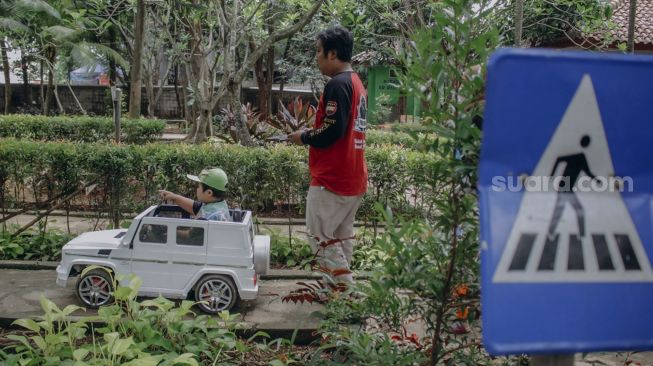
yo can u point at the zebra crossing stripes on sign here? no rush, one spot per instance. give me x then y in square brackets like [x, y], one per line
[574, 235]
[566, 202]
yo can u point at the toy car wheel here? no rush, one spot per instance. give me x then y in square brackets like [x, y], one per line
[216, 293]
[94, 288]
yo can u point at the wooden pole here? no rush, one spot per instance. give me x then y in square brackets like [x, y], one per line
[553, 360]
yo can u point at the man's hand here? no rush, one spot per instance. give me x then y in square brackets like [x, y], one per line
[296, 137]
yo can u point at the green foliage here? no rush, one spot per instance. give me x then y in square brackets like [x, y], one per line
[429, 271]
[584, 23]
[383, 110]
[33, 245]
[410, 128]
[128, 176]
[81, 128]
[151, 332]
[415, 140]
[367, 255]
[297, 116]
[286, 251]
[226, 127]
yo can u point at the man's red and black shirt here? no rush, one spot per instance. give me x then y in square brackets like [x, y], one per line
[337, 143]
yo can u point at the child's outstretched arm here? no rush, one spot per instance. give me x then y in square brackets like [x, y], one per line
[185, 203]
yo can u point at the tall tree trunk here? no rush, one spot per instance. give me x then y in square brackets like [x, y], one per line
[72, 92]
[269, 81]
[42, 93]
[284, 76]
[519, 21]
[261, 83]
[199, 76]
[177, 96]
[149, 90]
[233, 92]
[5, 67]
[27, 91]
[135, 87]
[51, 55]
[183, 82]
[203, 121]
[265, 78]
[190, 110]
[631, 26]
[56, 92]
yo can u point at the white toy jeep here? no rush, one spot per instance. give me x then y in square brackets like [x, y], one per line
[218, 262]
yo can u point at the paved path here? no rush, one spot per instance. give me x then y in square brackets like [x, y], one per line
[20, 291]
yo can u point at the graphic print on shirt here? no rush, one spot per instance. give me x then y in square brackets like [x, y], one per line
[361, 119]
[331, 108]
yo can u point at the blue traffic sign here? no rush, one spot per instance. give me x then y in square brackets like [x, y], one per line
[566, 202]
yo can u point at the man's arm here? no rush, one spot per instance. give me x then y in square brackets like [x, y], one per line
[337, 107]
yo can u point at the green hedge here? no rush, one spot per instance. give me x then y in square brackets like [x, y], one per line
[129, 176]
[79, 128]
[415, 140]
[409, 127]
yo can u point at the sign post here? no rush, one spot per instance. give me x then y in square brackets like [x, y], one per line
[115, 97]
[557, 360]
[566, 203]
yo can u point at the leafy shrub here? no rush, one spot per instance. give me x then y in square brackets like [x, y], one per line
[287, 251]
[33, 245]
[225, 124]
[420, 141]
[129, 176]
[411, 127]
[383, 110]
[149, 332]
[79, 128]
[298, 115]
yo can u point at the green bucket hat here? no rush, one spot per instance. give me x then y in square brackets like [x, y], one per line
[214, 178]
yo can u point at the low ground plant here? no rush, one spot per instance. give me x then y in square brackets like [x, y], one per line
[132, 332]
[35, 244]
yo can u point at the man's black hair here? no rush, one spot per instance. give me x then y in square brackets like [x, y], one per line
[338, 39]
[220, 195]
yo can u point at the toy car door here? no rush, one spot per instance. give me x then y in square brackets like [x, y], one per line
[187, 248]
[150, 254]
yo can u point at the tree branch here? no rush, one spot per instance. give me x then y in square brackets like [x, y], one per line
[274, 37]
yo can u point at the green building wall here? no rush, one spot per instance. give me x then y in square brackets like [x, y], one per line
[382, 80]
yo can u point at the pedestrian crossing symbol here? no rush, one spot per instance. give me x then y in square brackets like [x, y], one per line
[567, 234]
[566, 202]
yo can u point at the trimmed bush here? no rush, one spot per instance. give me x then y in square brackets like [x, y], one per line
[411, 127]
[128, 176]
[411, 140]
[79, 128]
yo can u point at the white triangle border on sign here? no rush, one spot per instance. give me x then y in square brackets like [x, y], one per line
[581, 115]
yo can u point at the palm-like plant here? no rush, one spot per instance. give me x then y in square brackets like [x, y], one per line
[59, 32]
[298, 115]
[256, 128]
[12, 13]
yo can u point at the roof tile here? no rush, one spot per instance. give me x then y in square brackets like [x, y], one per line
[643, 21]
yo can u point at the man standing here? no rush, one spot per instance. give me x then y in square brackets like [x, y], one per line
[336, 155]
